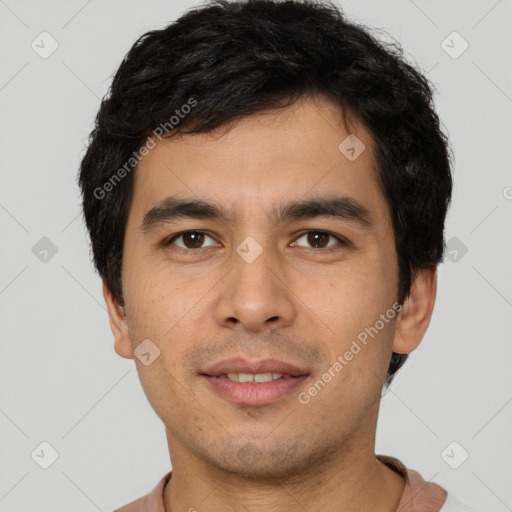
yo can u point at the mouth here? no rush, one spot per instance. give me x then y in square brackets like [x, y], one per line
[253, 383]
[256, 378]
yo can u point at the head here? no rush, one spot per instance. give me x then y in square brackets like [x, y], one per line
[247, 106]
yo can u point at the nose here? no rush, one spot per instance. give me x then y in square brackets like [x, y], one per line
[255, 296]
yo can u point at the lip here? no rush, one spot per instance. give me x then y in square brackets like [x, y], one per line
[247, 393]
[241, 365]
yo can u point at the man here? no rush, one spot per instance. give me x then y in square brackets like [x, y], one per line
[266, 188]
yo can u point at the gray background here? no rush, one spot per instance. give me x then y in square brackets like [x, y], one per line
[60, 379]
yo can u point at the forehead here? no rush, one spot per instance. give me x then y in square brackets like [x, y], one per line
[257, 162]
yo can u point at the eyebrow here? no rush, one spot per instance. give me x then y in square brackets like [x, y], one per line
[336, 207]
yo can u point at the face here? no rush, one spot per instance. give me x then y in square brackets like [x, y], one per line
[276, 277]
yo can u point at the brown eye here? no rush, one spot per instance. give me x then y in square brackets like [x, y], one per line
[320, 239]
[190, 240]
[317, 239]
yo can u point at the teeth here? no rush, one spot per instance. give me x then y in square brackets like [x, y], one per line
[266, 377]
[254, 377]
[242, 377]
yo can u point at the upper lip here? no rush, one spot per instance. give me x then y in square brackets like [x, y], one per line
[241, 365]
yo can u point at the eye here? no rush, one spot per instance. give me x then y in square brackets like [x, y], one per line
[320, 239]
[190, 240]
[193, 240]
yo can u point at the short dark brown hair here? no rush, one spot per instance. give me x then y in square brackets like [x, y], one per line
[236, 58]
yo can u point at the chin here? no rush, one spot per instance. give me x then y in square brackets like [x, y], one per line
[267, 464]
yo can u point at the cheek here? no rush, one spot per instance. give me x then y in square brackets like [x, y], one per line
[165, 310]
[153, 296]
[352, 294]
[350, 305]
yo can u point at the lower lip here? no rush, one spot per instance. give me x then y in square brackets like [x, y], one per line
[247, 393]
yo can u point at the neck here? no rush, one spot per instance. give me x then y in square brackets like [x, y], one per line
[351, 479]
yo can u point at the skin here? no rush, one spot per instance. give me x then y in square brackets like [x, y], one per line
[295, 302]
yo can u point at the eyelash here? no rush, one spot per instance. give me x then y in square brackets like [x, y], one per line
[342, 241]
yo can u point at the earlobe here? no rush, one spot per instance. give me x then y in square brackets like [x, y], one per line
[118, 324]
[416, 312]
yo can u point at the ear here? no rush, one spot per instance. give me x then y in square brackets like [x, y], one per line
[416, 312]
[118, 324]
